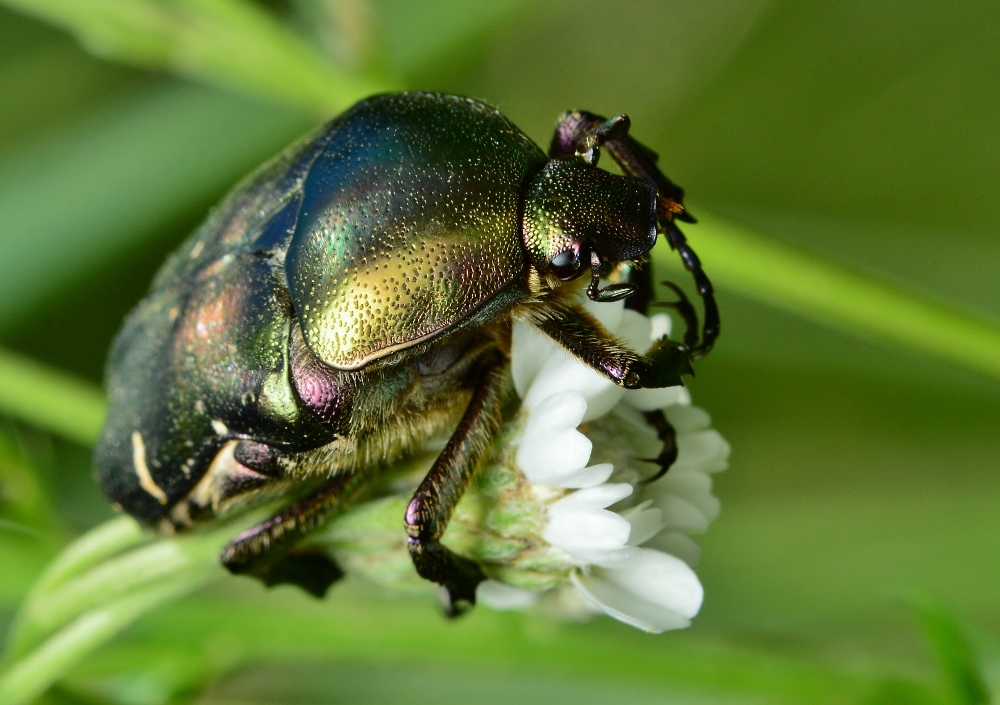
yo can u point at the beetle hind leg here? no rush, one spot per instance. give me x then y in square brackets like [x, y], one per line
[435, 499]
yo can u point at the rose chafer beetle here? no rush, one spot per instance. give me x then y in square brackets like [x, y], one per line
[354, 298]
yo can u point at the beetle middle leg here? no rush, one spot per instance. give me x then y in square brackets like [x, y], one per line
[435, 499]
[267, 551]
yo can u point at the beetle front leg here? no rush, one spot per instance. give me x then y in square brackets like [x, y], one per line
[583, 133]
[435, 499]
[577, 331]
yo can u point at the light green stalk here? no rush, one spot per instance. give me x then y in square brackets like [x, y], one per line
[227, 42]
[50, 399]
[743, 260]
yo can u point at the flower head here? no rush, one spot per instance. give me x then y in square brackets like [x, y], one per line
[560, 516]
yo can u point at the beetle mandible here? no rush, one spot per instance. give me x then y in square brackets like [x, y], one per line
[354, 297]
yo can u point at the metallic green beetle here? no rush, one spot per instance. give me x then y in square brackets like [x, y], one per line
[354, 298]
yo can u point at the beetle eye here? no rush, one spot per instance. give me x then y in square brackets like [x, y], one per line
[567, 264]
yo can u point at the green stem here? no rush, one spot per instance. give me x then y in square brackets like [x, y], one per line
[227, 42]
[758, 266]
[32, 675]
[89, 550]
[51, 399]
[110, 581]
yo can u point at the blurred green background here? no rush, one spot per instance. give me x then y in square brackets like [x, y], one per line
[864, 478]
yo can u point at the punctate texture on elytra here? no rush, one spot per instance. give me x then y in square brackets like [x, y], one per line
[355, 297]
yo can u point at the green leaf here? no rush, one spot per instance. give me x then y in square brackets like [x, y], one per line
[228, 42]
[762, 268]
[960, 666]
[50, 399]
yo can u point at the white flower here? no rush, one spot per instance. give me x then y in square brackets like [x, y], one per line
[559, 515]
[627, 545]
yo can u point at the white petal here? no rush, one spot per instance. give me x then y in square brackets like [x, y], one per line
[501, 596]
[551, 449]
[688, 418]
[595, 497]
[680, 515]
[705, 450]
[659, 326]
[646, 522]
[651, 399]
[587, 477]
[636, 435]
[563, 373]
[690, 485]
[592, 536]
[579, 525]
[634, 330]
[677, 544]
[650, 590]
[529, 350]
[556, 412]
[553, 459]
[608, 314]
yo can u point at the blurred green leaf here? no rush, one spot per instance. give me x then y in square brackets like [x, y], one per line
[229, 42]
[50, 399]
[105, 183]
[809, 285]
[961, 667]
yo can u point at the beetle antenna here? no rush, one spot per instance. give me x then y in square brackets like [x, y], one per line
[613, 292]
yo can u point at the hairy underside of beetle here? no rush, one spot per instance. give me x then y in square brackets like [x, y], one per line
[397, 407]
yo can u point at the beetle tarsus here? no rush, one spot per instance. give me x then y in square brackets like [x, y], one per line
[685, 309]
[710, 329]
[663, 364]
[313, 571]
[459, 576]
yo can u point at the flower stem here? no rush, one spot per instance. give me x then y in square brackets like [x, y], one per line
[110, 581]
[51, 399]
[227, 42]
[92, 548]
[811, 286]
[32, 675]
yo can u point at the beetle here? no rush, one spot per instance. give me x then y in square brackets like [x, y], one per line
[354, 297]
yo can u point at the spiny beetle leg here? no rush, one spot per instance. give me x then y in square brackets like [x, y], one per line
[267, 551]
[435, 499]
[710, 330]
[578, 332]
[668, 435]
[685, 309]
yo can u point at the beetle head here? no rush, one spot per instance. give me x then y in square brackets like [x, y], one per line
[578, 218]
